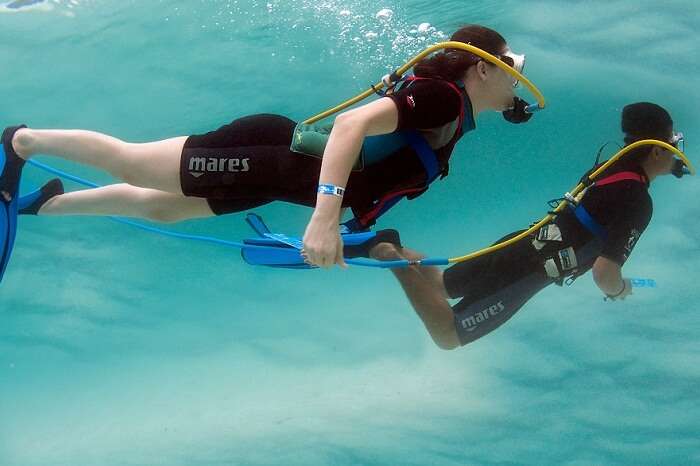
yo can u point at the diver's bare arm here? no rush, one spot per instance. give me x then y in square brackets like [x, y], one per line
[607, 274]
[344, 145]
[424, 289]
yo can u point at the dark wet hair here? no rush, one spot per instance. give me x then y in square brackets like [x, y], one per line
[644, 120]
[451, 64]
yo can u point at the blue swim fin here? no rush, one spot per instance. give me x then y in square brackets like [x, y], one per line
[283, 251]
[8, 221]
[10, 175]
[270, 250]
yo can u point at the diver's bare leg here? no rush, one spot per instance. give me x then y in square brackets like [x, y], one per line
[431, 273]
[124, 200]
[149, 165]
[424, 289]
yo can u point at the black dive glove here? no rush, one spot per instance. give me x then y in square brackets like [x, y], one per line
[363, 250]
[517, 113]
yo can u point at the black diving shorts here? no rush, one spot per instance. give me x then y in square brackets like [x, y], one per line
[247, 163]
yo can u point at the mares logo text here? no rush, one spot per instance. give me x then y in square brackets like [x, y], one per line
[201, 165]
[472, 321]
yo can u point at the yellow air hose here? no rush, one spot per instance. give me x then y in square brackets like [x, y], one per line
[443, 45]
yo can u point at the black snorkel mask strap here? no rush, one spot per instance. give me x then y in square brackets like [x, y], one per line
[600, 152]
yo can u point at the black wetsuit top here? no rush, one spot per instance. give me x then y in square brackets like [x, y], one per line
[430, 104]
[623, 208]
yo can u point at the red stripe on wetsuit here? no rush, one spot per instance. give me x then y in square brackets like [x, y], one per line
[622, 176]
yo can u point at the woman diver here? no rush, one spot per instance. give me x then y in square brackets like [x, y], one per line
[248, 162]
[599, 234]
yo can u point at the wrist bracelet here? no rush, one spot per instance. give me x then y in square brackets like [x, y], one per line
[331, 189]
[624, 286]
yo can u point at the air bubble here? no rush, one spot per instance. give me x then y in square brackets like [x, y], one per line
[385, 14]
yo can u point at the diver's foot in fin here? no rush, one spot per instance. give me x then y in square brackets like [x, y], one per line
[385, 252]
[11, 171]
[382, 242]
[30, 204]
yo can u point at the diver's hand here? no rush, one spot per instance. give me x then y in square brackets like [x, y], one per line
[517, 113]
[323, 245]
[626, 291]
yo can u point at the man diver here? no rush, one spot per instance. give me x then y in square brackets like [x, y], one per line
[599, 235]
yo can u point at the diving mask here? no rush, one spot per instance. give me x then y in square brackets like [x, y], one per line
[678, 141]
[679, 168]
[515, 61]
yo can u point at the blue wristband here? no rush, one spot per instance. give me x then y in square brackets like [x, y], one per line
[331, 189]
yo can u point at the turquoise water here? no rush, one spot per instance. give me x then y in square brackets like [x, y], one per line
[122, 348]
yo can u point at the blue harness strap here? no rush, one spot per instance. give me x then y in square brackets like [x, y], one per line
[428, 159]
[427, 155]
[431, 165]
[589, 222]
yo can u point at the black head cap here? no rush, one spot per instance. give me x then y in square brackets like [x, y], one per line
[645, 120]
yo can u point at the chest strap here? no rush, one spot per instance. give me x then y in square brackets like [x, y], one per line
[622, 176]
[585, 218]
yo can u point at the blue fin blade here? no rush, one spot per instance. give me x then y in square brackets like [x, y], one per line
[4, 238]
[257, 224]
[12, 213]
[296, 243]
[273, 256]
[28, 199]
[280, 250]
[8, 223]
[265, 242]
[349, 239]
